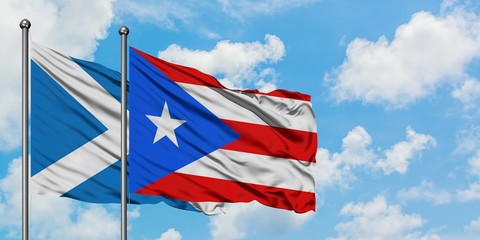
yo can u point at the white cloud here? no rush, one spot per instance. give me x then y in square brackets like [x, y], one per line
[169, 14]
[337, 169]
[471, 231]
[378, 220]
[468, 94]
[161, 12]
[355, 151]
[92, 222]
[473, 226]
[134, 213]
[448, 5]
[242, 69]
[170, 234]
[331, 171]
[242, 9]
[468, 140]
[10, 197]
[425, 191]
[202, 17]
[413, 65]
[52, 217]
[420, 236]
[398, 157]
[474, 163]
[244, 219]
[59, 24]
[470, 194]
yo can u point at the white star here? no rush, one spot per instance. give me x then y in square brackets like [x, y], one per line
[165, 125]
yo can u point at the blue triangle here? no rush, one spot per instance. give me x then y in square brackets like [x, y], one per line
[201, 134]
[104, 187]
[59, 124]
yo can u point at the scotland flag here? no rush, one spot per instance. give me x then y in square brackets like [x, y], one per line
[75, 130]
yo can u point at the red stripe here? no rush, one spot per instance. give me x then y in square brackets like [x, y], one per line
[273, 141]
[179, 73]
[203, 189]
[281, 93]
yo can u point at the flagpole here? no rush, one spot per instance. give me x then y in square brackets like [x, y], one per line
[25, 26]
[123, 31]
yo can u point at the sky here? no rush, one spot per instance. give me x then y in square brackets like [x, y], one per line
[395, 89]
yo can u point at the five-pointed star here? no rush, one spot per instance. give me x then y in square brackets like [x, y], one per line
[165, 125]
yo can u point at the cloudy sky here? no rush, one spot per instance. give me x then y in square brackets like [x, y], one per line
[395, 88]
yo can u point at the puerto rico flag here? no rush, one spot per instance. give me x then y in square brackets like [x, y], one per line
[194, 140]
[75, 130]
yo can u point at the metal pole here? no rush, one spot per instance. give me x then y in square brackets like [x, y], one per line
[25, 26]
[123, 31]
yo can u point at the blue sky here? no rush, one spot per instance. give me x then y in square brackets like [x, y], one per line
[395, 89]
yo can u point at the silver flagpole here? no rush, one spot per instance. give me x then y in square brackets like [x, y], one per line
[25, 26]
[123, 31]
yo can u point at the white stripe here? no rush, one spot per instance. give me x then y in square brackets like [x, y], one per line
[255, 169]
[76, 167]
[94, 156]
[78, 83]
[254, 108]
[209, 208]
